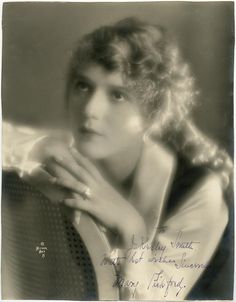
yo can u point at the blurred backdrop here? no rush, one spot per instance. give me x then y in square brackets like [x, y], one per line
[38, 39]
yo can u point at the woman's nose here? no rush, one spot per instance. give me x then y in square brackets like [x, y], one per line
[96, 106]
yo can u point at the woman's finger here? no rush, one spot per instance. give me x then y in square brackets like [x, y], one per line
[59, 174]
[45, 183]
[74, 169]
[56, 170]
[38, 175]
[85, 163]
[71, 184]
[79, 203]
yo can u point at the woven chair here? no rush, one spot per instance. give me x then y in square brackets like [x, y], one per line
[45, 256]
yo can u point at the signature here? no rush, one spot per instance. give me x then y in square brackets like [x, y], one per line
[124, 284]
[159, 281]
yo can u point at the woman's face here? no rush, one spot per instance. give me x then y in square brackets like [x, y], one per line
[104, 117]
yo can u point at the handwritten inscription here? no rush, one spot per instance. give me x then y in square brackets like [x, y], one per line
[165, 264]
[158, 280]
[122, 282]
[180, 244]
[146, 245]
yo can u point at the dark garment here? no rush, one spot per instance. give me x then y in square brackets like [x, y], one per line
[216, 283]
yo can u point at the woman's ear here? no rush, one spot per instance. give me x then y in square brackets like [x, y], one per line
[146, 134]
[148, 124]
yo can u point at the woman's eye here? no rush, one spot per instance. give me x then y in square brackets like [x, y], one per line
[118, 96]
[82, 86]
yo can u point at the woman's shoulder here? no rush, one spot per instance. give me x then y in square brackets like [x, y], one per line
[197, 186]
[199, 203]
[207, 191]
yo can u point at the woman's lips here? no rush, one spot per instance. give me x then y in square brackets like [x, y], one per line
[89, 131]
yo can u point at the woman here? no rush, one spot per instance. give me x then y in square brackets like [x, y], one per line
[137, 163]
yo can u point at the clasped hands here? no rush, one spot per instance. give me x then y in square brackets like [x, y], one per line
[88, 190]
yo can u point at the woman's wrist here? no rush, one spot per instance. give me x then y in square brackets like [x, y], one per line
[129, 232]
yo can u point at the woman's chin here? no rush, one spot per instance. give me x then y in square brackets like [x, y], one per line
[92, 151]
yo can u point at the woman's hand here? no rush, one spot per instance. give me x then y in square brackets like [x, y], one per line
[43, 176]
[94, 195]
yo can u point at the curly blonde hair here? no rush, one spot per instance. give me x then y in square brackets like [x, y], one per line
[151, 64]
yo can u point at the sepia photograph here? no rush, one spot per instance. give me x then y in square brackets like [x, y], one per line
[117, 151]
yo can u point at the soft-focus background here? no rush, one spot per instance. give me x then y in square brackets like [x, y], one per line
[38, 39]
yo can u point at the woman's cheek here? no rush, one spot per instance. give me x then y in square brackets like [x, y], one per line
[134, 124]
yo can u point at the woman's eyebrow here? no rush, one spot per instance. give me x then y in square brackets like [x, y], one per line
[80, 76]
[120, 88]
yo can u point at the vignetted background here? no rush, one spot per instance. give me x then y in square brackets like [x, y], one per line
[38, 39]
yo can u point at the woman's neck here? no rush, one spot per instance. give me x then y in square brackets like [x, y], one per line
[119, 166]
